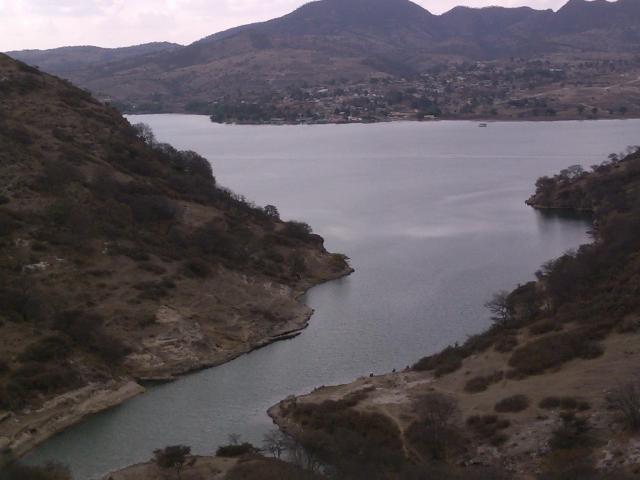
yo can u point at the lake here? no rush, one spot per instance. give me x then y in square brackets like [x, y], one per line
[433, 218]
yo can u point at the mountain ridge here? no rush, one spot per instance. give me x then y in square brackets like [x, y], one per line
[354, 40]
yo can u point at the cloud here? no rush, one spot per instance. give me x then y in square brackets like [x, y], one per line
[112, 23]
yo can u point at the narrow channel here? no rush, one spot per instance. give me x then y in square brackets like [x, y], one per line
[433, 218]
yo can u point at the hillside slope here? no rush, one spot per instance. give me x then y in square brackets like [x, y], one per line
[66, 60]
[123, 259]
[549, 392]
[353, 40]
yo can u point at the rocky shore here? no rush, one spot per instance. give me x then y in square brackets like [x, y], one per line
[179, 353]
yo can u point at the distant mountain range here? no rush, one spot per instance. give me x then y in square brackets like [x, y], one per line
[341, 39]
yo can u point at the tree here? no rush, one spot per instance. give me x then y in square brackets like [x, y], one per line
[173, 458]
[145, 133]
[272, 211]
[500, 308]
[275, 442]
[572, 173]
[545, 187]
[234, 438]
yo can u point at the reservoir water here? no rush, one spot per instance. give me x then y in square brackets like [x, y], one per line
[433, 218]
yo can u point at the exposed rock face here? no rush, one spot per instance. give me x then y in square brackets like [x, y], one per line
[22, 431]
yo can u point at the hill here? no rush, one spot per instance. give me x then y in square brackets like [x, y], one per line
[550, 391]
[331, 42]
[123, 260]
[66, 60]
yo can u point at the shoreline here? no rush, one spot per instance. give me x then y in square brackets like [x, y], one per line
[400, 120]
[34, 427]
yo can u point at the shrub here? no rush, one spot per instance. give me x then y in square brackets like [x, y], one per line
[297, 230]
[270, 469]
[543, 327]
[564, 403]
[513, 404]
[573, 433]
[50, 471]
[151, 208]
[34, 377]
[155, 290]
[20, 135]
[87, 331]
[554, 350]
[489, 427]
[625, 400]
[506, 343]
[58, 174]
[54, 347]
[198, 268]
[236, 450]
[480, 384]
[336, 432]
[447, 361]
[7, 224]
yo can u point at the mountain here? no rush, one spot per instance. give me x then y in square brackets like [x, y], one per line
[329, 40]
[122, 259]
[62, 61]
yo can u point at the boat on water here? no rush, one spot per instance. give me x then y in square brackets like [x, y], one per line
[483, 125]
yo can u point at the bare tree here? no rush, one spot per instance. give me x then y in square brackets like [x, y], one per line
[438, 414]
[625, 399]
[304, 452]
[275, 442]
[234, 439]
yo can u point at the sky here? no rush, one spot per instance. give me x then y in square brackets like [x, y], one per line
[27, 24]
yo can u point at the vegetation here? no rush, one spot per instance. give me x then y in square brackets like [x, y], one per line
[481, 383]
[100, 224]
[236, 450]
[436, 431]
[174, 458]
[564, 403]
[625, 400]
[513, 404]
[51, 471]
[346, 438]
[489, 428]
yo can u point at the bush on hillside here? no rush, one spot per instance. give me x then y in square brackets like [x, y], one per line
[513, 404]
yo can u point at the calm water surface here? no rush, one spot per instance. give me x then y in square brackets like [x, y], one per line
[433, 218]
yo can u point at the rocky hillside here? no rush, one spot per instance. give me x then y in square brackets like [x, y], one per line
[122, 259]
[550, 391]
[352, 40]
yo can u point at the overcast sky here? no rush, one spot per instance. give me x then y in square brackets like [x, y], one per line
[113, 23]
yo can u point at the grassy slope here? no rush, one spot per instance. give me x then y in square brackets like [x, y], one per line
[573, 333]
[118, 259]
